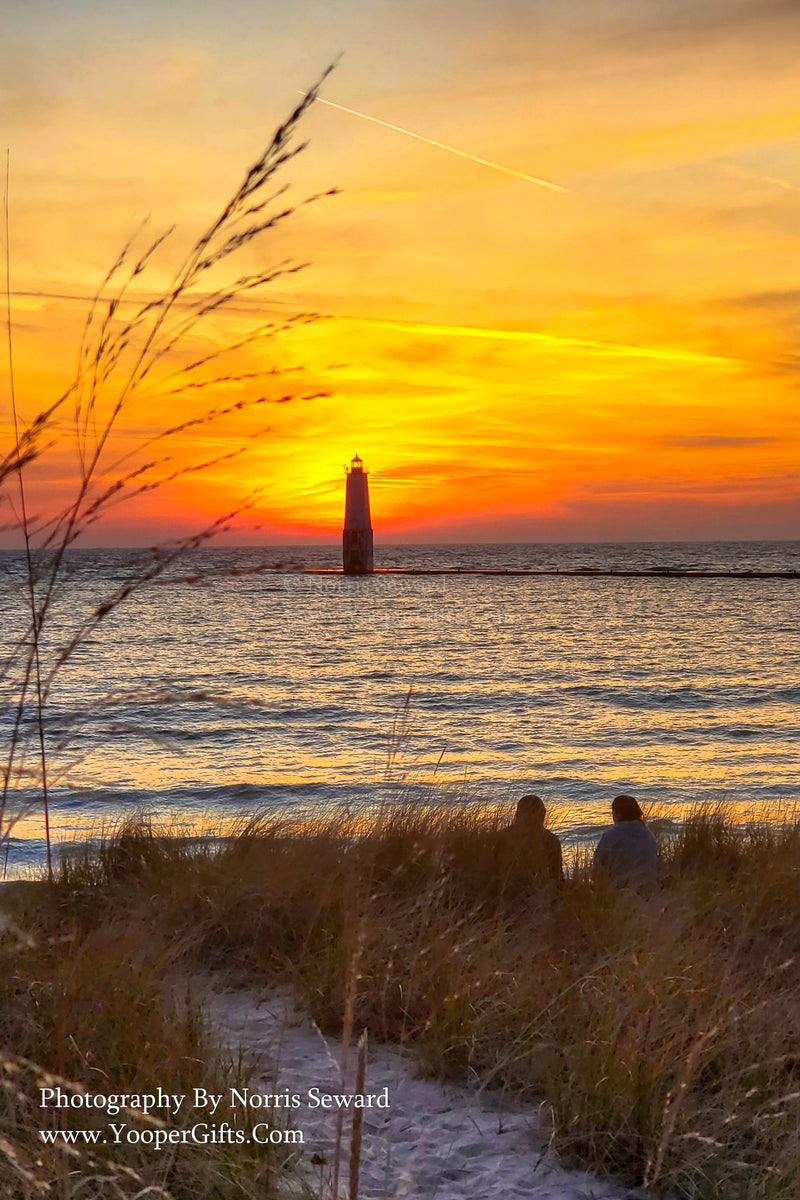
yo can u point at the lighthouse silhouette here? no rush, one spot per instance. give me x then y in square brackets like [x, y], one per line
[357, 533]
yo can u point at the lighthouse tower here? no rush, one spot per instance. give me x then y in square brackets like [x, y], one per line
[357, 534]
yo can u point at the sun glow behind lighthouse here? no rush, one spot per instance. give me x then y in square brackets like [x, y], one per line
[626, 354]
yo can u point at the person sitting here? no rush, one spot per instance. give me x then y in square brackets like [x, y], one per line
[529, 821]
[627, 852]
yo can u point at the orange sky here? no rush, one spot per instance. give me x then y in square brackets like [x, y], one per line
[617, 361]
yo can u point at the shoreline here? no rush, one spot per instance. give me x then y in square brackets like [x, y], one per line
[207, 831]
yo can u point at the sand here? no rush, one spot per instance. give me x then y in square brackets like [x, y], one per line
[434, 1140]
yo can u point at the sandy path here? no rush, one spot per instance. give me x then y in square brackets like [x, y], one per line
[434, 1142]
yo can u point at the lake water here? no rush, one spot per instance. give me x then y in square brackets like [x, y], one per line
[272, 689]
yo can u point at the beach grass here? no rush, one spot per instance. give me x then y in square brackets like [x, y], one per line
[661, 1031]
[98, 1006]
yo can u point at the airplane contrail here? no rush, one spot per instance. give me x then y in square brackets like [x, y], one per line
[484, 162]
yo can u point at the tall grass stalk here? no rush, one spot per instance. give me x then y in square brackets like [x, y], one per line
[358, 1117]
[34, 659]
[126, 354]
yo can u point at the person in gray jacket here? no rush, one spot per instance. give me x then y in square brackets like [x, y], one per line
[627, 852]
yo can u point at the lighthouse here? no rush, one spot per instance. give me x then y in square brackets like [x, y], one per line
[357, 533]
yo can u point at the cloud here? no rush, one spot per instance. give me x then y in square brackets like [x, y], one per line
[714, 441]
[552, 341]
[711, 22]
[780, 300]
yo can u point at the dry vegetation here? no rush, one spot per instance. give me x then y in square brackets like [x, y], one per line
[97, 1006]
[662, 1030]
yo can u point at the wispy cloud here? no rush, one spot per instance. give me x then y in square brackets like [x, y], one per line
[617, 349]
[771, 180]
[714, 441]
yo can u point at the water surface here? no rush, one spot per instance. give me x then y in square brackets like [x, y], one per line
[275, 689]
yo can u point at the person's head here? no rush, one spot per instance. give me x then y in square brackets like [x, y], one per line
[530, 812]
[625, 808]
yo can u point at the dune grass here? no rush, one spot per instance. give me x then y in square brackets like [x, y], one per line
[99, 1005]
[661, 1031]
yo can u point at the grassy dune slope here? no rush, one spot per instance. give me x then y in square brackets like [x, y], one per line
[662, 1030]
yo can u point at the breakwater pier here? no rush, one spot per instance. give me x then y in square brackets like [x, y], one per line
[569, 572]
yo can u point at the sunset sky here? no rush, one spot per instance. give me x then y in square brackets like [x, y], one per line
[613, 359]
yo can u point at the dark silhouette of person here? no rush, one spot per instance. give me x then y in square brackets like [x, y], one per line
[627, 852]
[529, 822]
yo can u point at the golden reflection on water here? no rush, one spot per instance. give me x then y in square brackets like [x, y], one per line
[577, 690]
